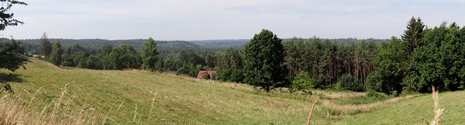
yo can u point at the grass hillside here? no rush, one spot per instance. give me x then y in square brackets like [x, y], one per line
[139, 97]
[124, 97]
[417, 110]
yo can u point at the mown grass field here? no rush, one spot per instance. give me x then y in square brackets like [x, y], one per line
[140, 97]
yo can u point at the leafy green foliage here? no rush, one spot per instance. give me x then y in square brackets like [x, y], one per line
[232, 75]
[6, 18]
[388, 63]
[57, 53]
[45, 47]
[413, 35]
[10, 53]
[230, 66]
[237, 76]
[302, 82]
[374, 83]
[376, 95]
[264, 62]
[348, 82]
[182, 70]
[224, 74]
[205, 76]
[440, 62]
[149, 55]
[11, 56]
[125, 56]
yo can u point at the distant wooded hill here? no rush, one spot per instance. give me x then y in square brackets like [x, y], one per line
[236, 43]
[94, 45]
[98, 43]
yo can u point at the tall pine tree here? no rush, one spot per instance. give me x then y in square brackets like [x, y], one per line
[149, 55]
[413, 35]
[57, 53]
[45, 47]
[10, 54]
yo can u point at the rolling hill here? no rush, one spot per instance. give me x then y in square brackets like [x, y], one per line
[140, 97]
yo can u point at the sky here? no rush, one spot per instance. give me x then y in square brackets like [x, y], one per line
[227, 19]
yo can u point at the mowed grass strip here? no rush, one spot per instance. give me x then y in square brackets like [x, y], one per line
[125, 97]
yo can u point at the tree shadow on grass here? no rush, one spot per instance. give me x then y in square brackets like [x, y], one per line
[6, 78]
[10, 77]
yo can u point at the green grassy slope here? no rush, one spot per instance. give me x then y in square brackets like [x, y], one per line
[417, 110]
[125, 97]
[177, 99]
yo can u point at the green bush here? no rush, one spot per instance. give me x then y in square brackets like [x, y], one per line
[348, 82]
[237, 76]
[373, 83]
[376, 95]
[224, 74]
[302, 82]
[182, 70]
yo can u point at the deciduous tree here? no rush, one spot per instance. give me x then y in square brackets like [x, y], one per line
[264, 61]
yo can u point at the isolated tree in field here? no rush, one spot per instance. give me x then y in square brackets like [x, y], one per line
[264, 61]
[10, 54]
[149, 55]
[57, 53]
[45, 47]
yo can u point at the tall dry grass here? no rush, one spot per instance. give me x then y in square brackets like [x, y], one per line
[13, 111]
[437, 111]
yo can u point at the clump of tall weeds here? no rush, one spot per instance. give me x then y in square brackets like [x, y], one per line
[437, 111]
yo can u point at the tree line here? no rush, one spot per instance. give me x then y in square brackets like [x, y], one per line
[420, 58]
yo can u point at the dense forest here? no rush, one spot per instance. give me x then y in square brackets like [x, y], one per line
[422, 57]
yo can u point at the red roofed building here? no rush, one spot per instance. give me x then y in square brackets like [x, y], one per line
[210, 74]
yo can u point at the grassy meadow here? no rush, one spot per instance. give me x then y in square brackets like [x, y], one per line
[47, 94]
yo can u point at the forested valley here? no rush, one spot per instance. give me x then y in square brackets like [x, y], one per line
[422, 57]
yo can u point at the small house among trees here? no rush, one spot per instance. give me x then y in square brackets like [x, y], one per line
[207, 74]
